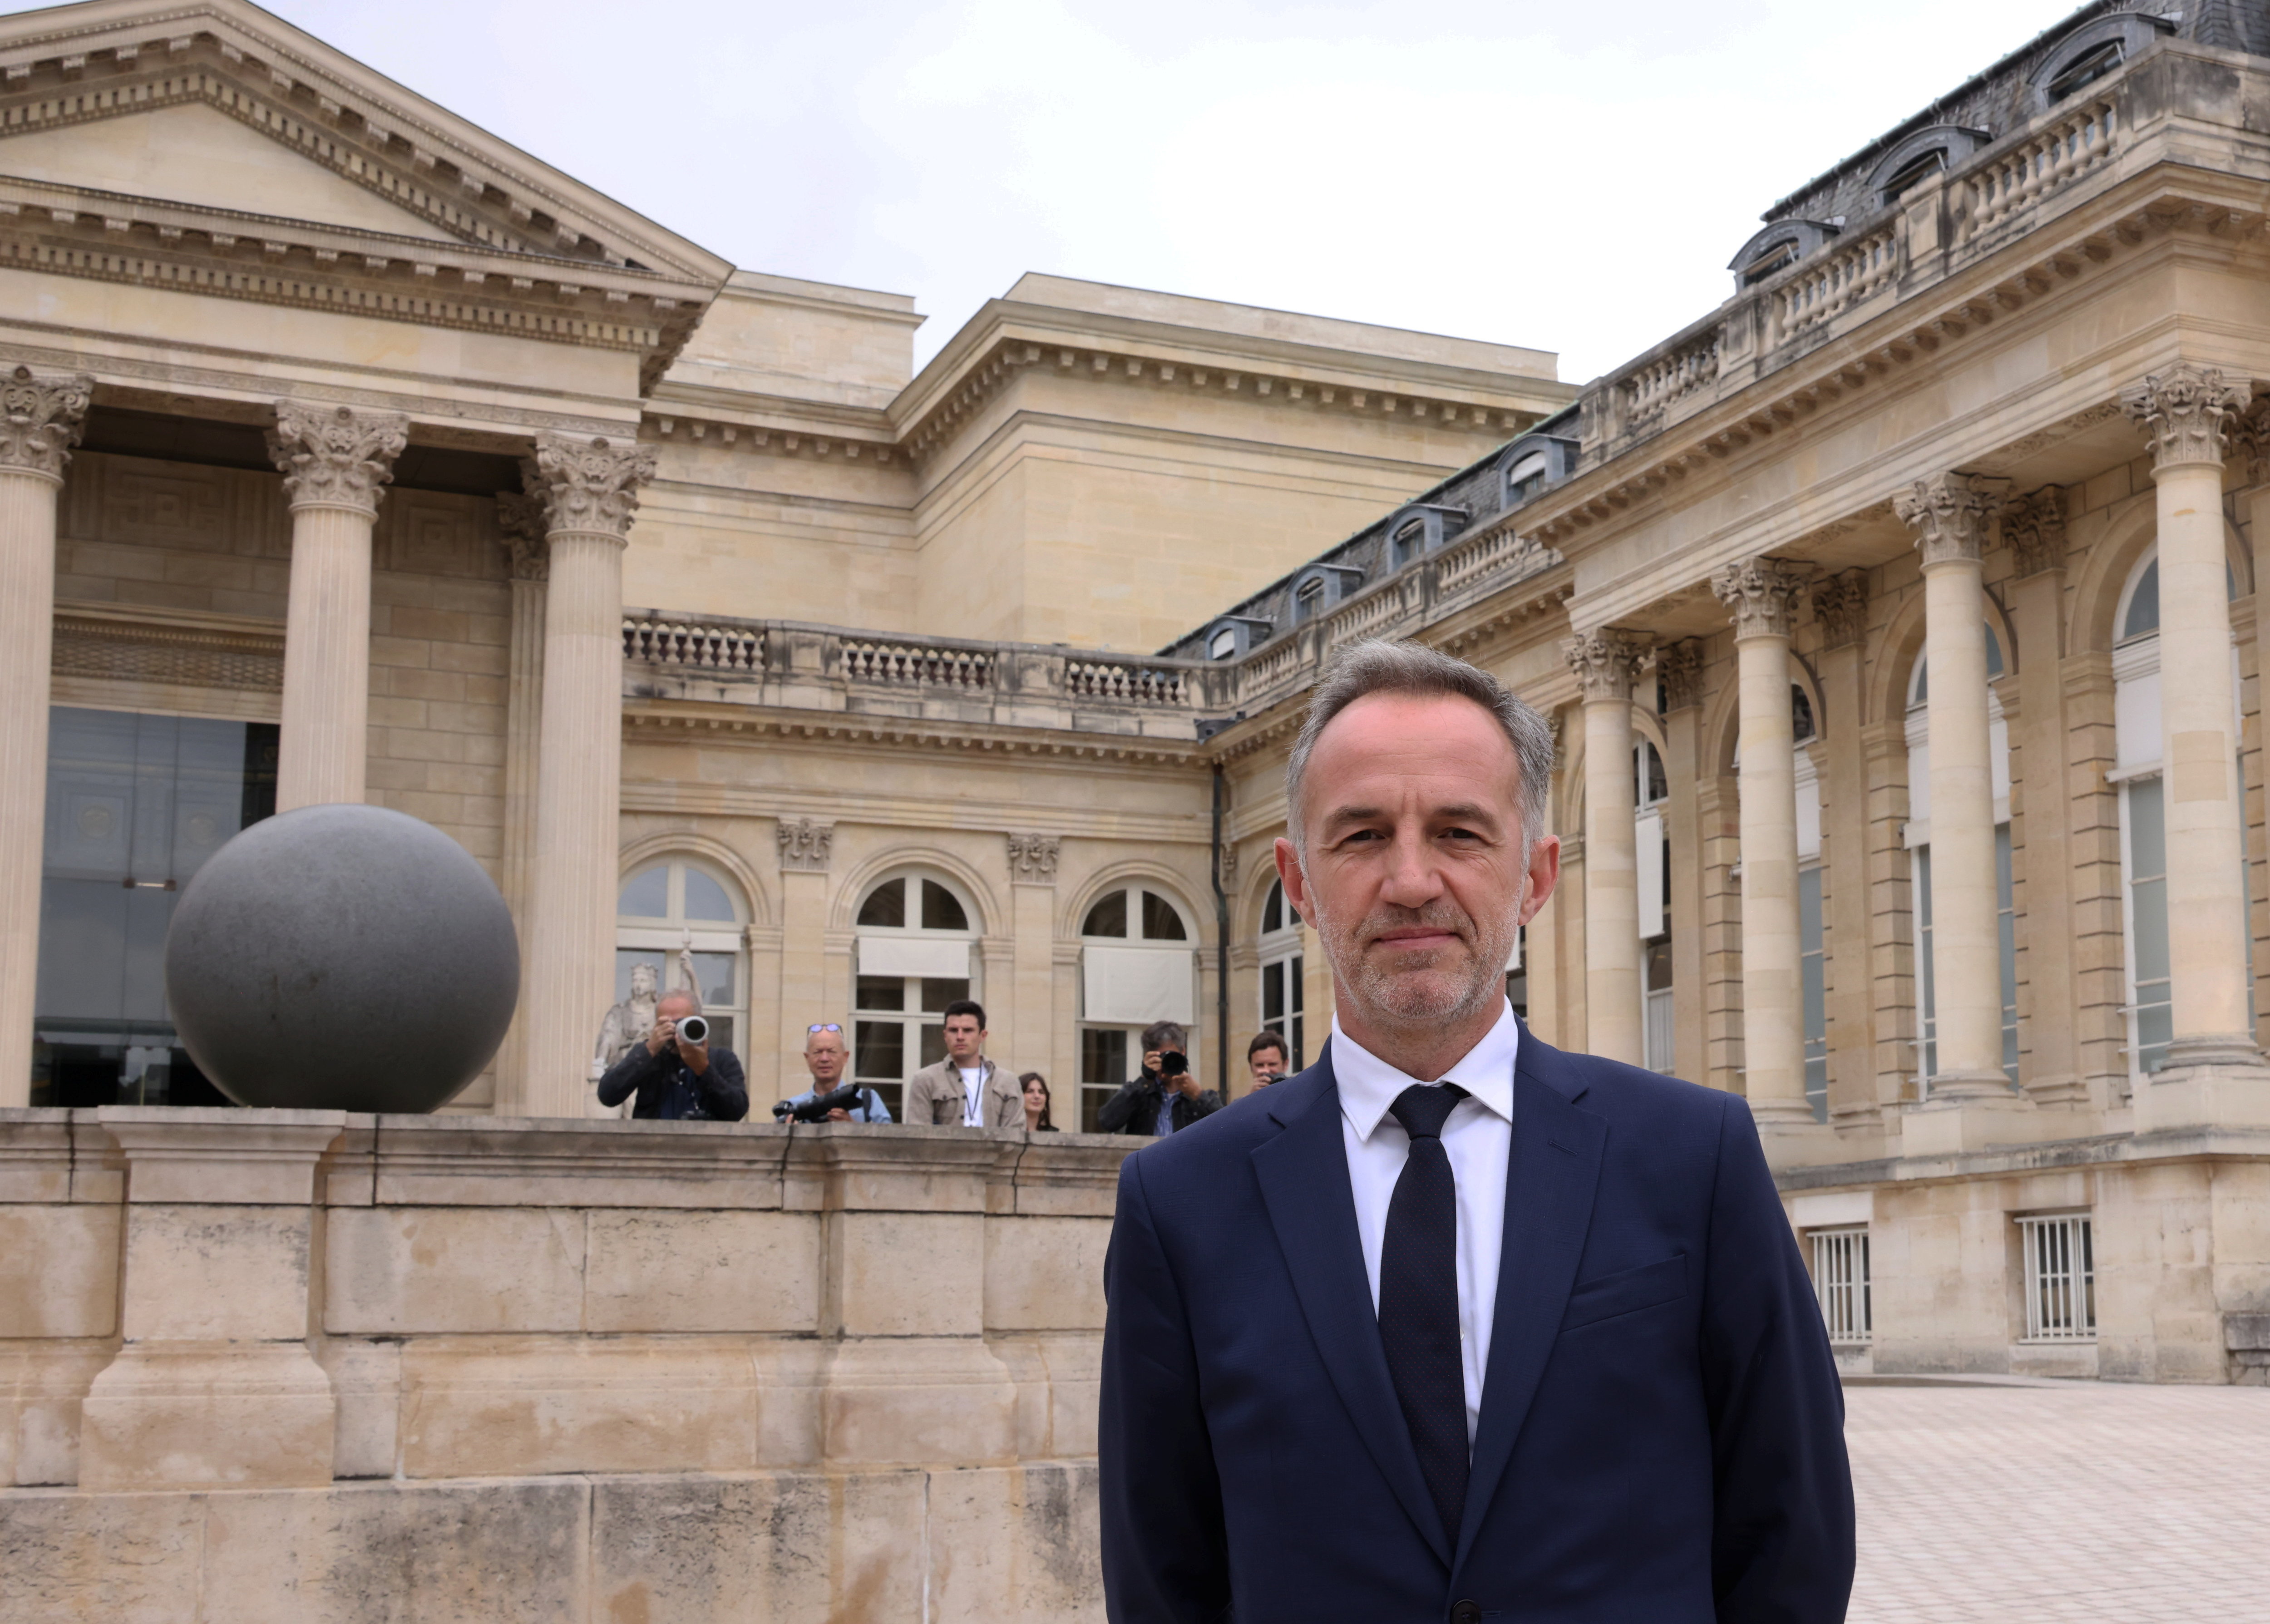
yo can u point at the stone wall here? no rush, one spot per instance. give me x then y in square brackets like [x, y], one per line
[276, 1362]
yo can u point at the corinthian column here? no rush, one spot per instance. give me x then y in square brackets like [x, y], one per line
[40, 421]
[1605, 661]
[590, 491]
[2185, 412]
[1950, 514]
[333, 459]
[1762, 595]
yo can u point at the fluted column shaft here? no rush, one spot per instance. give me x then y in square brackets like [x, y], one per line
[1761, 593]
[590, 493]
[520, 520]
[1604, 661]
[39, 420]
[334, 460]
[2185, 412]
[1950, 515]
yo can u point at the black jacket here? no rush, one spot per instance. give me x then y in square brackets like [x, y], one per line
[1135, 1107]
[668, 1089]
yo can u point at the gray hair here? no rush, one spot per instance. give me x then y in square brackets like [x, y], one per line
[1377, 666]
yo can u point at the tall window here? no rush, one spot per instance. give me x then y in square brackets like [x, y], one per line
[1918, 835]
[1651, 856]
[1840, 1277]
[915, 956]
[1812, 924]
[2060, 1278]
[1137, 966]
[2143, 814]
[676, 909]
[135, 805]
[1282, 974]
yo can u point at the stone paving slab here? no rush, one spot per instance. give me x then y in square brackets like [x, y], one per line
[2056, 1505]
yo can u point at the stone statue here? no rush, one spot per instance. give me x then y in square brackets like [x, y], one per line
[628, 1022]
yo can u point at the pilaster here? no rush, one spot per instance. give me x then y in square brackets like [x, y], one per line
[1032, 1009]
[806, 849]
[1679, 666]
[520, 528]
[1840, 606]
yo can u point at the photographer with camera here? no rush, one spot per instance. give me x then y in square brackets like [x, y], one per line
[678, 1075]
[1166, 1098]
[824, 1058]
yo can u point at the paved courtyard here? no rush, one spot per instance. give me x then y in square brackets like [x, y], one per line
[2041, 1504]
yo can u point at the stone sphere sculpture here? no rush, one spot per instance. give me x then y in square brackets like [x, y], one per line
[341, 958]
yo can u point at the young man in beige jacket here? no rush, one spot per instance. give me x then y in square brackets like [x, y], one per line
[965, 1090]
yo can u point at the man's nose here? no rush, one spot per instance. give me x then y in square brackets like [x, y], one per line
[1412, 881]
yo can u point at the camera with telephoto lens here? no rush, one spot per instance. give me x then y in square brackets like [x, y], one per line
[844, 1099]
[695, 1030]
[1173, 1062]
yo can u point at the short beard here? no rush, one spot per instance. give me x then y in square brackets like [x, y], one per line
[1405, 1002]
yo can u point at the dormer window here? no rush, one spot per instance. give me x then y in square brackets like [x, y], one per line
[1418, 529]
[1931, 150]
[1223, 644]
[2086, 69]
[1525, 478]
[1532, 464]
[1779, 256]
[1307, 596]
[1232, 636]
[1319, 587]
[1780, 245]
[1407, 542]
[1915, 173]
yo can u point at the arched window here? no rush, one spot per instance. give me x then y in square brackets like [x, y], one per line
[677, 910]
[1282, 968]
[2143, 811]
[915, 955]
[1137, 965]
[1918, 835]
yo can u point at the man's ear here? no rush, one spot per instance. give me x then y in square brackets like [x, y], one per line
[1295, 882]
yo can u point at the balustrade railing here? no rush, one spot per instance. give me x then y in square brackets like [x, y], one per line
[737, 649]
[1128, 684]
[2067, 151]
[1838, 282]
[1668, 379]
[916, 664]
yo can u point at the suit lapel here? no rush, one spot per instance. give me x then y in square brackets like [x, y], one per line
[1305, 1180]
[1553, 1172]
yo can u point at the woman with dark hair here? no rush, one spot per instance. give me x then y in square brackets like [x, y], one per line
[1037, 1104]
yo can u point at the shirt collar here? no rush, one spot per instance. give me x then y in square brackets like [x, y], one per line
[1369, 1085]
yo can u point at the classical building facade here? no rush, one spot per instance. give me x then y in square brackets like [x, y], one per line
[1898, 621]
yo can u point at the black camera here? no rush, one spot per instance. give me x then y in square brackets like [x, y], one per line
[1173, 1062]
[844, 1099]
[695, 1030]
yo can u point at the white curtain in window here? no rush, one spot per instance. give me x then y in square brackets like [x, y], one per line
[1138, 985]
[905, 955]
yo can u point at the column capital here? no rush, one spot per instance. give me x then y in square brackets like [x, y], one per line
[1679, 666]
[520, 525]
[1606, 660]
[1948, 514]
[1032, 859]
[39, 420]
[2034, 525]
[2184, 413]
[1763, 594]
[804, 845]
[1840, 603]
[334, 456]
[589, 487]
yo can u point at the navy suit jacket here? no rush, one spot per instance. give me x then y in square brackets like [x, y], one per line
[1661, 1438]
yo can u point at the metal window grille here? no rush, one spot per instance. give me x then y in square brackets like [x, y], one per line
[1840, 1274]
[2060, 1278]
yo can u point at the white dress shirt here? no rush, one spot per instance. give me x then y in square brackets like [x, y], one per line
[1478, 1137]
[972, 1091]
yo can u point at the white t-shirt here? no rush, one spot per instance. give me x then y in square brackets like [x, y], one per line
[973, 1096]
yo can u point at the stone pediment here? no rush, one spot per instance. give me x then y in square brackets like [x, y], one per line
[196, 92]
[191, 153]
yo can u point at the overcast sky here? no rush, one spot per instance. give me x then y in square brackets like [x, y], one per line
[1571, 176]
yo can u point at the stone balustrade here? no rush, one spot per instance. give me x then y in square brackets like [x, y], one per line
[554, 1369]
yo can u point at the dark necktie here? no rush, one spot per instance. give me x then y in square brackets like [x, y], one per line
[1419, 1300]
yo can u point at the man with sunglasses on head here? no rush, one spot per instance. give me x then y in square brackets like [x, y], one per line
[825, 1058]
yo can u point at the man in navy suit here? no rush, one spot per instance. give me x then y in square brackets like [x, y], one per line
[1453, 1325]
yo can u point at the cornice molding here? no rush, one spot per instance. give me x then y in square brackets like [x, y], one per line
[648, 722]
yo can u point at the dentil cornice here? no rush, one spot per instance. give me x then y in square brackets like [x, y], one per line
[334, 456]
[39, 420]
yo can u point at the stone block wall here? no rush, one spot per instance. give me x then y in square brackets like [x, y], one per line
[287, 1360]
